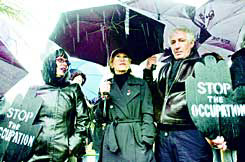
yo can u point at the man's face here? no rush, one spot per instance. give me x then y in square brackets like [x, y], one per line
[180, 45]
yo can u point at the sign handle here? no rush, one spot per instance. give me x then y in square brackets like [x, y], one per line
[222, 156]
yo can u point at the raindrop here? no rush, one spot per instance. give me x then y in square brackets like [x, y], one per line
[104, 17]
[78, 30]
[74, 44]
[67, 21]
[107, 54]
[127, 22]
[143, 28]
[86, 35]
[64, 28]
[147, 29]
[102, 32]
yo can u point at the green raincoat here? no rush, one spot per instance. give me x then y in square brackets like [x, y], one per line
[130, 131]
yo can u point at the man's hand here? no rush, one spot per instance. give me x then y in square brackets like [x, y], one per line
[151, 61]
[219, 142]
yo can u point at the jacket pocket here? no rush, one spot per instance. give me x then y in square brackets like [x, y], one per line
[138, 134]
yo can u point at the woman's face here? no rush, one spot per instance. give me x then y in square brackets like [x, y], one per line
[121, 63]
[61, 66]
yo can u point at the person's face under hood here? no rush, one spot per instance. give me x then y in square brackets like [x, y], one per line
[61, 66]
[55, 68]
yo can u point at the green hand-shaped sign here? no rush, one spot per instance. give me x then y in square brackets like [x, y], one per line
[209, 99]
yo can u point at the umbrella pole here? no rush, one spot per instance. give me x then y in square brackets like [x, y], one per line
[106, 95]
[222, 156]
[221, 151]
[104, 108]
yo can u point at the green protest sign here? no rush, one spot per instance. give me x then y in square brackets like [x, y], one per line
[17, 132]
[209, 99]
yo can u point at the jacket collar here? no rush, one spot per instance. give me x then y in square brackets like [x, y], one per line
[133, 80]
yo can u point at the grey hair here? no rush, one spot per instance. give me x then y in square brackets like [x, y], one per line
[190, 34]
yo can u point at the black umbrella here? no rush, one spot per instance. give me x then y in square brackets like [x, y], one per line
[91, 34]
[10, 70]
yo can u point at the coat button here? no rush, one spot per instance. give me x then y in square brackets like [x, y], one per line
[129, 92]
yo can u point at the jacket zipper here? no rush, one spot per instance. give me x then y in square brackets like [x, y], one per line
[168, 89]
[175, 79]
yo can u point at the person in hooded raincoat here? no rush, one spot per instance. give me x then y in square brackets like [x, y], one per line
[128, 113]
[63, 113]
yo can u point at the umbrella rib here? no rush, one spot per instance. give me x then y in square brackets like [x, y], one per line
[113, 24]
[106, 27]
[12, 63]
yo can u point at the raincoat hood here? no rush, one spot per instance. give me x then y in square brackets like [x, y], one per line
[49, 70]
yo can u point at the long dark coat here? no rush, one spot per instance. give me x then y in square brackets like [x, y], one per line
[130, 129]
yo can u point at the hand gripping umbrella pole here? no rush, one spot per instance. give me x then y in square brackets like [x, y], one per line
[106, 95]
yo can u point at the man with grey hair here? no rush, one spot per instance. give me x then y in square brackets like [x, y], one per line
[177, 139]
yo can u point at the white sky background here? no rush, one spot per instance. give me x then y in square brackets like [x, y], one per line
[31, 36]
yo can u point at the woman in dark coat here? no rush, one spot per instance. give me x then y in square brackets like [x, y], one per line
[130, 131]
[63, 113]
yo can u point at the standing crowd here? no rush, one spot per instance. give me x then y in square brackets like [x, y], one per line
[135, 119]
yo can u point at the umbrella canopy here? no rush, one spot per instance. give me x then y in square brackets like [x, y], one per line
[91, 34]
[11, 71]
[94, 73]
[159, 8]
[224, 21]
[173, 15]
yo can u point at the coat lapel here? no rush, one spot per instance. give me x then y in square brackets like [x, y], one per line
[131, 89]
[122, 97]
[119, 100]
